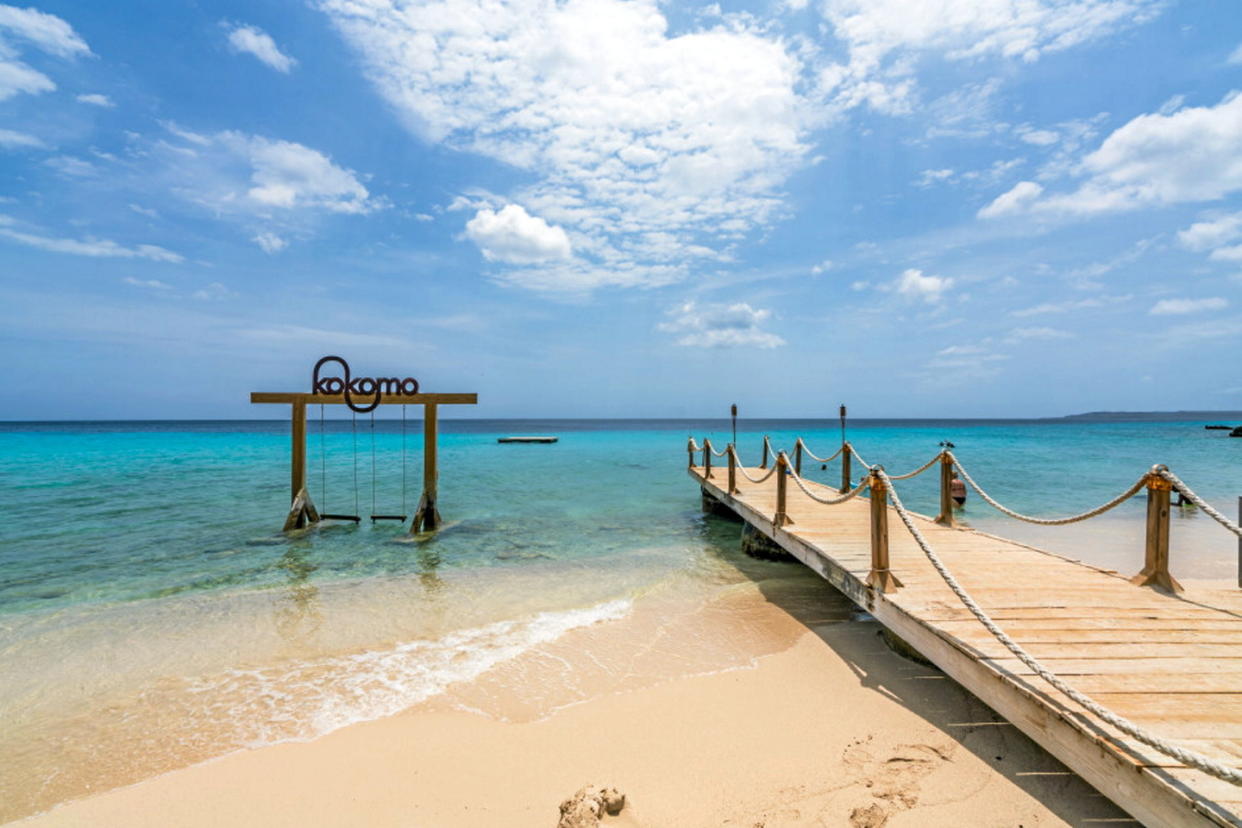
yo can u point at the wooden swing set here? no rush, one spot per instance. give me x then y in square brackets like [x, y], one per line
[362, 395]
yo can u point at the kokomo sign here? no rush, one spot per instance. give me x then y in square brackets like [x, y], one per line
[348, 386]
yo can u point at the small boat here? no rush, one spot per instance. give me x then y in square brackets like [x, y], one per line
[526, 439]
[1217, 427]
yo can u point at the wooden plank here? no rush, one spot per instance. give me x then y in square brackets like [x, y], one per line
[339, 399]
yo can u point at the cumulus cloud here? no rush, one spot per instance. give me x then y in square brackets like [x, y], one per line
[98, 248]
[913, 284]
[1178, 307]
[1205, 235]
[883, 36]
[254, 41]
[721, 326]
[153, 284]
[45, 32]
[270, 242]
[1015, 200]
[95, 99]
[512, 235]
[11, 139]
[633, 136]
[1188, 155]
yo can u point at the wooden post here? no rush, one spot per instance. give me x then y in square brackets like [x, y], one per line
[880, 579]
[1155, 570]
[690, 452]
[764, 464]
[427, 518]
[782, 483]
[298, 467]
[732, 451]
[845, 467]
[707, 457]
[946, 491]
[798, 457]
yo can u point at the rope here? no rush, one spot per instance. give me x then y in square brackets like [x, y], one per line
[355, 427]
[403, 509]
[1186, 757]
[719, 453]
[372, 462]
[1098, 510]
[1200, 502]
[809, 454]
[742, 469]
[829, 501]
[323, 464]
[917, 471]
[854, 451]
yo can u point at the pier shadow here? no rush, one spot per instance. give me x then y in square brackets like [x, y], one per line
[855, 637]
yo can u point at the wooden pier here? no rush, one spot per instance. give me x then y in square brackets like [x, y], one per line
[1169, 662]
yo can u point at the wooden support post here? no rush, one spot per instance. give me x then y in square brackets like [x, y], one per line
[782, 484]
[881, 578]
[690, 452]
[427, 518]
[298, 466]
[845, 467]
[945, 517]
[707, 457]
[732, 451]
[798, 457]
[764, 464]
[1155, 570]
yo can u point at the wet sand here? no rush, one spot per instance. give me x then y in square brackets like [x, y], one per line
[797, 717]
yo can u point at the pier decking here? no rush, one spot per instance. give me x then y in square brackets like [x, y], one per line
[1170, 663]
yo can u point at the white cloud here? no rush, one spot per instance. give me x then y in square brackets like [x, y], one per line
[823, 267]
[929, 177]
[46, 32]
[153, 284]
[913, 284]
[1037, 333]
[1072, 305]
[1204, 235]
[95, 99]
[144, 211]
[270, 242]
[254, 41]
[17, 78]
[100, 248]
[512, 235]
[1192, 154]
[1235, 57]
[9, 139]
[213, 291]
[1014, 201]
[721, 326]
[1171, 307]
[884, 36]
[1227, 254]
[1039, 137]
[634, 136]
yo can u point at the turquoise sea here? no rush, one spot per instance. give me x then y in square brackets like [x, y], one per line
[152, 614]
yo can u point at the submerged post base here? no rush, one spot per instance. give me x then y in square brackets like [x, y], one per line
[302, 512]
[712, 506]
[758, 545]
[427, 518]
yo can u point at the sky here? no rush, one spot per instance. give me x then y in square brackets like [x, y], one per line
[623, 208]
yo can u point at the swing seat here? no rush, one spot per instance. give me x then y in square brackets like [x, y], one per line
[354, 518]
[401, 518]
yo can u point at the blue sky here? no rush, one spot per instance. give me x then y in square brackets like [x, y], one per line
[624, 208]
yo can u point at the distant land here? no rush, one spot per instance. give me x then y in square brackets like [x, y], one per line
[1213, 417]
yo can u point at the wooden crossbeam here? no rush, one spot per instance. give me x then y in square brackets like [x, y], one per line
[339, 399]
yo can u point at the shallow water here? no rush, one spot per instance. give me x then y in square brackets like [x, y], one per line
[151, 615]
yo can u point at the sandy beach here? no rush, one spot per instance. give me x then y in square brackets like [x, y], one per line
[821, 725]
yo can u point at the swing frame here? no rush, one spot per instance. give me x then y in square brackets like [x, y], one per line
[302, 511]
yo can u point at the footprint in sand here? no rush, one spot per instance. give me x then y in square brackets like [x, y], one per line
[894, 781]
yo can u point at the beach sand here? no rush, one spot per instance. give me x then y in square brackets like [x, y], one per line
[802, 719]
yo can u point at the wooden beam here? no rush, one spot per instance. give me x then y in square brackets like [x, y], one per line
[339, 399]
[427, 518]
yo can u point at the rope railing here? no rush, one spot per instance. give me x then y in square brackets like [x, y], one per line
[854, 452]
[818, 459]
[745, 474]
[1186, 757]
[917, 471]
[1190, 495]
[828, 501]
[1061, 521]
